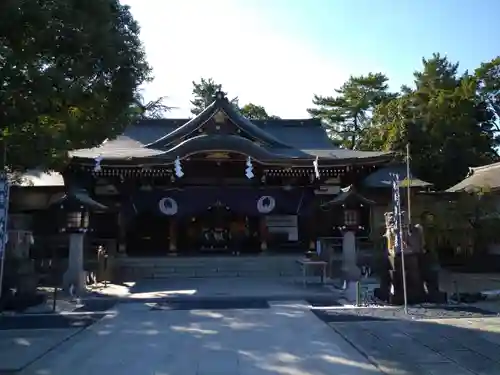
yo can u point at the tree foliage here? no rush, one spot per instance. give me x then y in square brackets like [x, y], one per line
[69, 74]
[348, 113]
[153, 109]
[256, 112]
[204, 94]
[462, 222]
[488, 80]
[447, 118]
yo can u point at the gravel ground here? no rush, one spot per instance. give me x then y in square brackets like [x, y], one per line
[421, 312]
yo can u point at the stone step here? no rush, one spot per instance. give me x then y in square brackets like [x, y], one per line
[215, 265]
[259, 266]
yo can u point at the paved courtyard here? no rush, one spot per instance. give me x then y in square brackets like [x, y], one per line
[440, 347]
[240, 328]
[271, 288]
[283, 339]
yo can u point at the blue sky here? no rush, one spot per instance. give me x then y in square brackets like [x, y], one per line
[278, 53]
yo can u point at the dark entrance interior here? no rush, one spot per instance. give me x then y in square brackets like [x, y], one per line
[148, 235]
[218, 230]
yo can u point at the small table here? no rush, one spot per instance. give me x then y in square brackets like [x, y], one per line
[308, 263]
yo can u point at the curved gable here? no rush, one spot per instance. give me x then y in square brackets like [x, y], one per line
[219, 118]
[226, 143]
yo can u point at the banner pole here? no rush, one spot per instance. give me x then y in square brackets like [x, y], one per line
[409, 178]
[4, 185]
[403, 267]
[399, 225]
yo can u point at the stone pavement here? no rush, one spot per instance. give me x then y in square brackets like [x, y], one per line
[281, 288]
[439, 347]
[283, 339]
[19, 348]
[276, 288]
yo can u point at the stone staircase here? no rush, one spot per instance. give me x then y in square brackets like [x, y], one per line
[208, 267]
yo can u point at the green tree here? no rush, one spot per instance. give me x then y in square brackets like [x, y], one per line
[347, 114]
[488, 79]
[447, 123]
[69, 74]
[256, 112]
[154, 109]
[204, 94]
[463, 223]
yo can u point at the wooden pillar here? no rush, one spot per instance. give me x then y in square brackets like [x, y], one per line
[126, 189]
[172, 237]
[263, 233]
[312, 232]
[122, 235]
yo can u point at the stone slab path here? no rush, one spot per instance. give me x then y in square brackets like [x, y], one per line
[441, 347]
[20, 347]
[152, 332]
[283, 339]
[281, 288]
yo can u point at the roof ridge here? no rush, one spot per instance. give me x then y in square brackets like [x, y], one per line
[485, 167]
[287, 122]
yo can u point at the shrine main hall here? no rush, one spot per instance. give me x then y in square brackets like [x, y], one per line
[220, 183]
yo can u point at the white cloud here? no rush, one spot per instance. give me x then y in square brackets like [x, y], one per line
[237, 47]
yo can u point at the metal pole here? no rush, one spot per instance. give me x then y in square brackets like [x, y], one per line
[54, 299]
[53, 272]
[358, 293]
[408, 177]
[3, 173]
[403, 268]
[455, 287]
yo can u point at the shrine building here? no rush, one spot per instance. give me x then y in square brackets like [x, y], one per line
[220, 183]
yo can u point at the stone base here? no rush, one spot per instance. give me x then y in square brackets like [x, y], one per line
[350, 291]
[397, 299]
[77, 279]
[351, 273]
[421, 284]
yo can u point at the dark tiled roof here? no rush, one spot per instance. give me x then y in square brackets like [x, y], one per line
[294, 139]
[382, 177]
[79, 197]
[349, 195]
[485, 177]
[305, 136]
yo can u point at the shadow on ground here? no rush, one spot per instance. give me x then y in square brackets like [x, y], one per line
[283, 339]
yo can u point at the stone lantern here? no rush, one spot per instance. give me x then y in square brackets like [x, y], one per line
[355, 211]
[75, 207]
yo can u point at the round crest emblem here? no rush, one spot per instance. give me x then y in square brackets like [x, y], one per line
[266, 204]
[168, 206]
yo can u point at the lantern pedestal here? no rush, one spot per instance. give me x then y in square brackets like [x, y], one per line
[350, 269]
[75, 274]
[391, 280]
